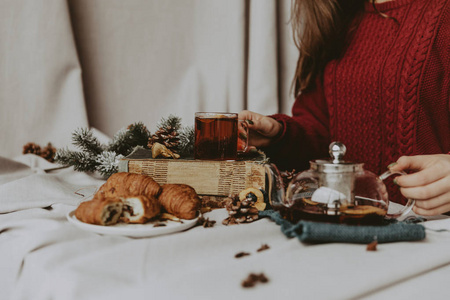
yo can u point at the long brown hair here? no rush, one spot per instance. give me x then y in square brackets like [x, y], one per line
[321, 29]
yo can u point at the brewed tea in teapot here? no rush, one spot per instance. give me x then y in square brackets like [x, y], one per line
[338, 191]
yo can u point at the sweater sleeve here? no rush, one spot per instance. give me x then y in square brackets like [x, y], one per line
[305, 135]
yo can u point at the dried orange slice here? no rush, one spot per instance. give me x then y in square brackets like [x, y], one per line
[363, 210]
[309, 201]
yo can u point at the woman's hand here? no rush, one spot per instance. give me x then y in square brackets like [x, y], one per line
[262, 129]
[429, 185]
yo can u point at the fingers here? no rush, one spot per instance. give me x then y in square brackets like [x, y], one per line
[432, 203]
[430, 168]
[431, 211]
[257, 122]
[432, 199]
[425, 191]
[258, 140]
[262, 128]
[249, 115]
[266, 126]
[255, 138]
[417, 162]
[424, 177]
[429, 184]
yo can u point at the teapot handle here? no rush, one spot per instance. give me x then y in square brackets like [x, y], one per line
[408, 205]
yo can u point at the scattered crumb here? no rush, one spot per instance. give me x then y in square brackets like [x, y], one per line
[241, 254]
[372, 246]
[263, 247]
[252, 279]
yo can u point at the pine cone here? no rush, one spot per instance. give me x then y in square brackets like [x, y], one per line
[166, 136]
[240, 211]
[49, 152]
[32, 148]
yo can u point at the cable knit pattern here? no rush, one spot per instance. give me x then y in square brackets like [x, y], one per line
[389, 80]
[411, 74]
[435, 74]
[387, 96]
[330, 94]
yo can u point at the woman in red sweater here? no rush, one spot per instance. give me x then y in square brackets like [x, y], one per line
[375, 76]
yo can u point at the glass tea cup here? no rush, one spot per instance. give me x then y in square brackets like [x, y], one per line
[219, 136]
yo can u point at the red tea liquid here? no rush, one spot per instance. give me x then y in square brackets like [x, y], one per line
[355, 215]
[216, 138]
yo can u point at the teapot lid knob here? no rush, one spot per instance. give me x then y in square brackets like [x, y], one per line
[337, 151]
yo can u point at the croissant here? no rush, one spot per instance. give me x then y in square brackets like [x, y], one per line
[139, 209]
[125, 184]
[100, 211]
[180, 200]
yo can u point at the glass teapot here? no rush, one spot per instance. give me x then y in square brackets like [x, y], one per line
[338, 191]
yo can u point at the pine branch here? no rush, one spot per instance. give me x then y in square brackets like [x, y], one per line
[187, 137]
[119, 142]
[81, 161]
[64, 157]
[85, 163]
[139, 134]
[86, 141]
[172, 121]
[125, 140]
[108, 163]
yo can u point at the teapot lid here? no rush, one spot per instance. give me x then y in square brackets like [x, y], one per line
[336, 164]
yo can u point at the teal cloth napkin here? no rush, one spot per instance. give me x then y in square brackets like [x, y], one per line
[316, 232]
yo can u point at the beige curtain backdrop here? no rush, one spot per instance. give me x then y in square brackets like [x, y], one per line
[66, 64]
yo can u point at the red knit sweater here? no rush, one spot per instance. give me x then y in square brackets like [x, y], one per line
[387, 96]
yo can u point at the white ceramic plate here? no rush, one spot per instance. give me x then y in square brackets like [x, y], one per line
[133, 230]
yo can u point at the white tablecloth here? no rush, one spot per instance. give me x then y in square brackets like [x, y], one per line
[43, 256]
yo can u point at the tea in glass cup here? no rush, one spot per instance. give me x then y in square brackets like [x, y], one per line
[216, 136]
[242, 143]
